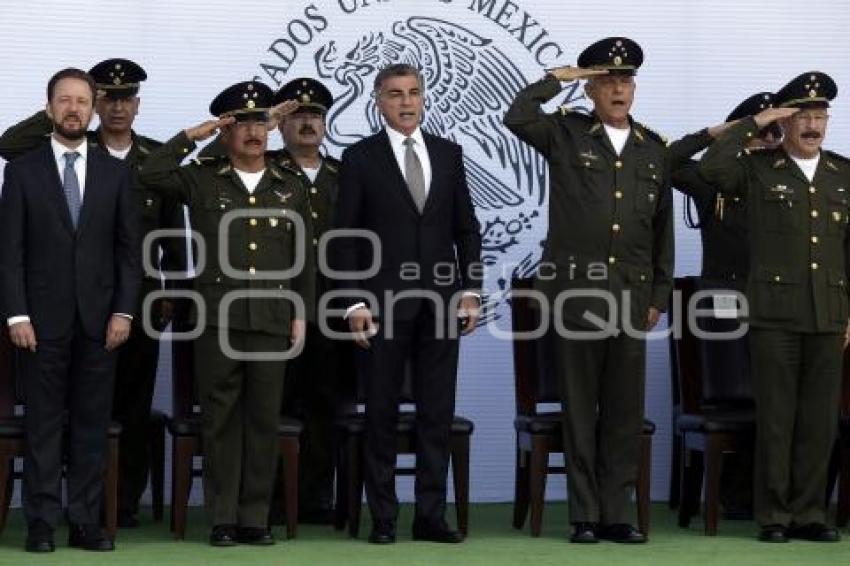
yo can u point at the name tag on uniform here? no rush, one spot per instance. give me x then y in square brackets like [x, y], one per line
[725, 306]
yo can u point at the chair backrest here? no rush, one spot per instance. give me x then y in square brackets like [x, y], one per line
[534, 376]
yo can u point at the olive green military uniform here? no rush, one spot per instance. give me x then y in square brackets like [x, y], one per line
[316, 389]
[240, 400]
[610, 230]
[138, 357]
[797, 292]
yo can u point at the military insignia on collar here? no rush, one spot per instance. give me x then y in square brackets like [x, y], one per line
[779, 163]
[831, 165]
[143, 149]
[283, 198]
[224, 170]
[595, 128]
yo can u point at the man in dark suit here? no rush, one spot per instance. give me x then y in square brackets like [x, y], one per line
[409, 189]
[71, 271]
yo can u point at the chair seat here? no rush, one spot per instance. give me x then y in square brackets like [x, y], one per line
[191, 426]
[720, 421]
[13, 427]
[355, 423]
[550, 423]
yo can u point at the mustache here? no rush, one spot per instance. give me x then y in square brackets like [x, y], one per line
[811, 134]
[307, 130]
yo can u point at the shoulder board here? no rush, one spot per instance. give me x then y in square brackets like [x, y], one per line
[206, 160]
[332, 164]
[652, 134]
[840, 159]
[565, 110]
[147, 145]
[755, 150]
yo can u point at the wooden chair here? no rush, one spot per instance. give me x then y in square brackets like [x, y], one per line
[539, 433]
[350, 431]
[716, 417]
[184, 425]
[12, 438]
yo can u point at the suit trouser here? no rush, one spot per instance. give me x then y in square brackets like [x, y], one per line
[603, 407]
[240, 413]
[315, 393]
[74, 373]
[797, 384]
[135, 378]
[382, 371]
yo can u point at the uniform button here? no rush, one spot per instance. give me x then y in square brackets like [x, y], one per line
[618, 194]
[587, 163]
[315, 242]
[313, 190]
[218, 279]
[618, 164]
[612, 260]
[615, 227]
[252, 200]
[252, 270]
[149, 202]
[252, 245]
[814, 214]
[222, 206]
[814, 239]
[749, 134]
[777, 278]
[253, 222]
[812, 189]
[314, 214]
[814, 265]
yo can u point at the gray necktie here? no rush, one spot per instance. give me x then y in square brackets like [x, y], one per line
[414, 175]
[71, 185]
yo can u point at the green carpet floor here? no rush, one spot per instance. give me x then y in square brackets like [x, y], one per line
[492, 542]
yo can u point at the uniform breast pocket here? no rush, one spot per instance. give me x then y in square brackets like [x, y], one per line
[837, 221]
[648, 180]
[838, 309]
[780, 210]
[774, 294]
[591, 171]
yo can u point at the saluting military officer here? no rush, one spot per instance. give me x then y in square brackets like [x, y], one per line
[263, 220]
[611, 231]
[722, 222]
[117, 105]
[797, 294]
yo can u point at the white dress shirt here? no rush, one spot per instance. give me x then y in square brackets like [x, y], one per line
[250, 179]
[618, 137]
[807, 166]
[399, 149]
[120, 153]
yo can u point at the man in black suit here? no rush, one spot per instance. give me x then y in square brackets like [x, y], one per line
[71, 269]
[409, 188]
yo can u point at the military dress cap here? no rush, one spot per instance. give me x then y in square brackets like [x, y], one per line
[617, 55]
[249, 100]
[752, 106]
[313, 95]
[118, 78]
[809, 89]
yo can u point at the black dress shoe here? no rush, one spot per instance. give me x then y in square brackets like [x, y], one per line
[584, 533]
[622, 533]
[89, 537]
[435, 532]
[773, 533]
[383, 532]
[223, 535]
[40, 537]
[815, 532]
[260, 536]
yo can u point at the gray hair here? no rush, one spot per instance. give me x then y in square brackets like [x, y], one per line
[398, 70]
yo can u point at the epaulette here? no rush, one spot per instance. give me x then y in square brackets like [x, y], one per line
[832, 156]
[752, 150]
[566, 110]
[211, 160]
[147, 145]
[331, 163]
[653, 134]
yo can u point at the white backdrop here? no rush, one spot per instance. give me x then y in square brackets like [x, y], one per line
[702, 58]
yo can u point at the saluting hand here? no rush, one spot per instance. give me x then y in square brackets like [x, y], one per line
[208, 129]
[285, 108]
[568, 73]
[770, 115]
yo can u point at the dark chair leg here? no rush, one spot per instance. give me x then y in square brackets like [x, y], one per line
[460, 474]
[843, 511]
[644, 483]
[341, 495]
[6, 480]
[691, 487]
[713, 470]
[355, 485]
[289, 450]
[521, 487]
[110, 499]
[157, 452]
[537, 488]
[181, 485]
[673, 499]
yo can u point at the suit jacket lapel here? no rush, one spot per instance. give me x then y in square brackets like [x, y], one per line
[54, 189]
[436, 159]
[391, 164]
